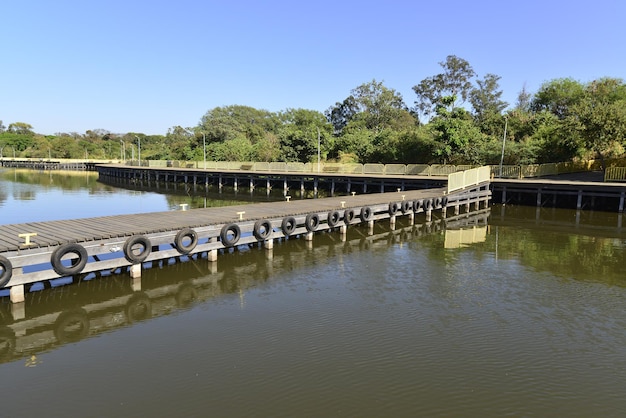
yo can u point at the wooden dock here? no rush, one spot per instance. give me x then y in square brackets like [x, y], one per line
[40, 251]
[47, 320]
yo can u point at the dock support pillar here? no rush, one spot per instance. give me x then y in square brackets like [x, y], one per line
[429, 215]
[620, 209]
[343, 230]
[308, 236]
[135, 271]
[268, 244]
[370, 227]
[412, 218]
[212, 255]
[17, 293]
[392, 222]
[579, 201]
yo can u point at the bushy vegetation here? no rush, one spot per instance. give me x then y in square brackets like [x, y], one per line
[457, 117]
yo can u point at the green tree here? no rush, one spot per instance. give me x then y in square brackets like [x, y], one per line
[21, 128]
[300, 132]
[373, 106]
[485, 98]
[455, 134]
[558, 97]
[454, 81]
[599, 117]
[230, 122]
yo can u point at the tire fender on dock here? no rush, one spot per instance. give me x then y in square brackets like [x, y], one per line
[130, 247]
[333, 218]
[366, 214]
[405, 206]
[288, 225]
[418, 205]
[77, 264]
[179, 241]
[312, 222]
[230, 235]
[262, 229]
[7, 271]
[348, 216]
[393, 208]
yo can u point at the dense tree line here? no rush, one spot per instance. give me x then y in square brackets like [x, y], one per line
[457, 117]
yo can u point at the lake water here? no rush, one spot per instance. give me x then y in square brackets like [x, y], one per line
[520, 316]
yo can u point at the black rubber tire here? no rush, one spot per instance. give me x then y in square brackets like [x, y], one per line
[418, 205]
[77, 264]
[131, 242]
[179, 241]
[428, 204]
[405, 206]
[348, 216]
[444, 202]
[288, 225]
[262, 229]
[312, 222]
[393, 208]
[366, 214]
[226, 238]
[437, 203]
[7, 271]
[333, 218]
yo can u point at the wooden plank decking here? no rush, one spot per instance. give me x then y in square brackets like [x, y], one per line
[53, 233]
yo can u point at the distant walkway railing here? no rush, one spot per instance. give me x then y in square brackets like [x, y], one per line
[505, 171]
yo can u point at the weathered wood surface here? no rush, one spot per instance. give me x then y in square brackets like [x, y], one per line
[53, 233]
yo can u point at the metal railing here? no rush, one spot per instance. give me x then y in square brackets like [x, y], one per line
[616, 170]
[467, 178]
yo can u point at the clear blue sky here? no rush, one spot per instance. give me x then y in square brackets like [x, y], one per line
[146, 66]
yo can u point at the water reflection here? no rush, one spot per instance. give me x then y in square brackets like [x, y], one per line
[95, 304]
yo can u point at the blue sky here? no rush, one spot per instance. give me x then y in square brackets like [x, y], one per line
[146, 66]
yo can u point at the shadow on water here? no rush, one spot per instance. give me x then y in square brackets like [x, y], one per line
[91, 305]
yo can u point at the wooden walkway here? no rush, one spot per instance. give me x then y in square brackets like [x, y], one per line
[40, 251]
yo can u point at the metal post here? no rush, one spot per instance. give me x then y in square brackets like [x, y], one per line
[506, 122]
[318, 149]
[139, 149]
[204, 148]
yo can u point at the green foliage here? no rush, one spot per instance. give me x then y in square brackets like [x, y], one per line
[454, 81]
[558, 97]
[301, 133]
[455, 136]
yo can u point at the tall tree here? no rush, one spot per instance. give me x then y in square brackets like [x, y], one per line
[558, 96]
[374, 105]
[485, 98]
[455, 81]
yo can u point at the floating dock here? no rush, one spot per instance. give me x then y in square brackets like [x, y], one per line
[42, 251]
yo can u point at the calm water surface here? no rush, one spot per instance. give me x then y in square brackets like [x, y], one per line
[520, 316]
